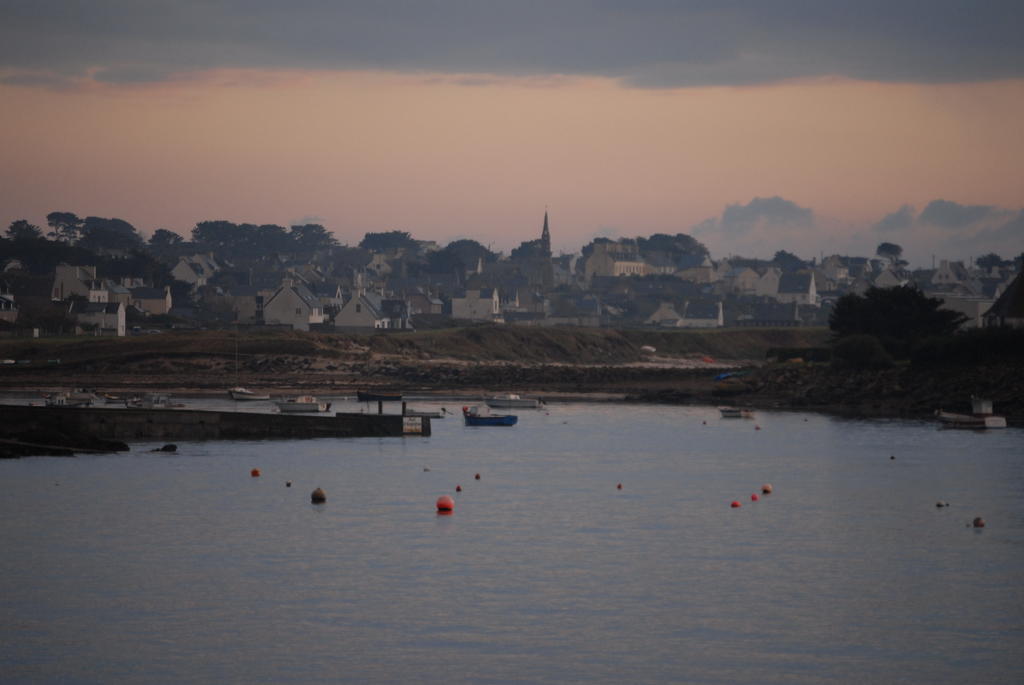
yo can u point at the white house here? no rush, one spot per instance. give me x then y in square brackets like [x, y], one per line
[104, 318]
[477, 305]
[294, 305]
[797, 287]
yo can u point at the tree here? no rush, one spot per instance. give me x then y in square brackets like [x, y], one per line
[98, 233]
[890, 251]
[676, 245]
[311, 237]
[458, 256]
[391, 240]
[65, 226]
[899, 317]
[989, 261]
[23, 230]
[531, 249]
[787, 261]
[162, 239]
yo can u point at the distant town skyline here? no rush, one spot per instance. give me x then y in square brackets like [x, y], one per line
[752, 127]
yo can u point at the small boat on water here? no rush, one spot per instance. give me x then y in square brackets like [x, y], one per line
[736, 413]
[153, 401]
[301, 404]
[73, 398]
[367, 396]
[981, 416]
[473, 416]
[511, 401]
[241, 394]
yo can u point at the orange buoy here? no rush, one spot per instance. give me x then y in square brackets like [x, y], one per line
[979, 522]
[735, 504]
[754, 497]
[445, 504]
[318, 496]
[477, 476]
[458, 488]
[766, 488]
[255, 473]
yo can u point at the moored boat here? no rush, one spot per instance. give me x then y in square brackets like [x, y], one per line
[473, 416]
[736, 413]
[241, 394]
[981, 416]
[511, 401]
[74, 398]
[302, 403]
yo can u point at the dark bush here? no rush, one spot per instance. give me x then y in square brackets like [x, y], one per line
[984, 345]
[861, 352]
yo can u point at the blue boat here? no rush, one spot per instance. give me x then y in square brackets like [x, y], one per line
[474, 417]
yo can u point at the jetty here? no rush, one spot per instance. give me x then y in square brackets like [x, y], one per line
[185, 424]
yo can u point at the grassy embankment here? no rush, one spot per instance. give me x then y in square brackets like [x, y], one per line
[480, 344]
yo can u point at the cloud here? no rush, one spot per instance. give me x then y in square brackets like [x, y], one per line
[953, 230]
[644, 43]
[902, 218]
[946, 214]
[764, 211]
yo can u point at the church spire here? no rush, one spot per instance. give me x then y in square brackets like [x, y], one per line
[545, 236]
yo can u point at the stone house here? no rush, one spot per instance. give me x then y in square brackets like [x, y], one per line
[293, 305]
[477, 305]
[797, 287]
[104, 318]
[153, 301]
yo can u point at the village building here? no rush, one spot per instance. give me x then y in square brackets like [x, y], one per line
[293, 305]
[152, 301]
[99, 318]
[482, 304]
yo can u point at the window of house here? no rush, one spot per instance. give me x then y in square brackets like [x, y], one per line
[359, 308]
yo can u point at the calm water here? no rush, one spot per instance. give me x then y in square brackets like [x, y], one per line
[144, 567]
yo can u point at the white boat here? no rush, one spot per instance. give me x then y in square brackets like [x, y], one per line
[736, 413]
[982, 416]
[245, 395]
[302, 403]
[510, 400]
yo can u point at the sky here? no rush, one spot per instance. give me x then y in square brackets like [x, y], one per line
[812, 126]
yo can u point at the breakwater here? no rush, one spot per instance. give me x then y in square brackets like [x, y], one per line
[186, 424]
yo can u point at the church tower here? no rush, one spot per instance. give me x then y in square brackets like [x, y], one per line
[545, 237]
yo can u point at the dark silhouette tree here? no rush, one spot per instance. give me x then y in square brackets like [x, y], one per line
[162, 239]
[787, 261]
[64, 225]
[390, 240]
[23, 230]
[899, 317]
[98, 233]
[889, 251]
[990, 260]
[459, 256]
[311, 237]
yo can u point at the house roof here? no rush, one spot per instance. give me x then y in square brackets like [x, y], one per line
[95, 307]
[701, 309]
[795, 283]
[1010, 304]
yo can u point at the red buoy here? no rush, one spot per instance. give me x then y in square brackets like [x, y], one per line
[757, 428]
[445, 504]
[754, 497]
[477, 476]
[979, 522]
[735, 504]
[255, 473]
[619, 486]
[458, 488]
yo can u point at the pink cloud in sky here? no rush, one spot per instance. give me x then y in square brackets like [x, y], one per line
[476, 155]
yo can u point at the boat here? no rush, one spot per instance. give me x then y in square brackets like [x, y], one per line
[74, 398]
[736, 413]
[511, 401]
[981, 416]
[241, 394]
[302, 403]
[153, 401]
[474, 417]
[366, 396]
